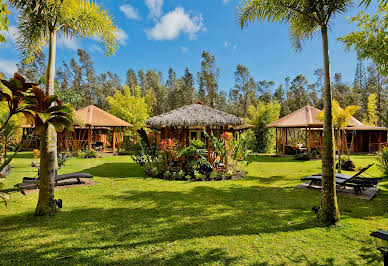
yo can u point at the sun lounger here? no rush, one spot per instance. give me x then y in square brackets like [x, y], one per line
[357, 182]
[32, 183]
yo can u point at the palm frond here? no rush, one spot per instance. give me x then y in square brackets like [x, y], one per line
[32, 37]
[87, 19]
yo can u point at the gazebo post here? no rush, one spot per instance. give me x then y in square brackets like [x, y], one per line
[370, 140]
[379, 141]
[114, 140]
[89, 138]
[187, 137]
[208, 144]
[309, 139]
[284, 141]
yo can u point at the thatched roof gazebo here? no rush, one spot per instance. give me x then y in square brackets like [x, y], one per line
[188, 122]
[303, 122]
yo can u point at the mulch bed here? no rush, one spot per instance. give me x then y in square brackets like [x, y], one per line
[367, 194]
[64, 184]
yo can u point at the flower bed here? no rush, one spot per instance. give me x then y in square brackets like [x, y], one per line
[168, 160]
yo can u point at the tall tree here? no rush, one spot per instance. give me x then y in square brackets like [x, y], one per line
[131, 80]
[370, 40]
[173, 90]
[244, 91]
[157, 90]
[132, 108]
[208, 79]
[40, 21]
[305, 18]
[188, 88]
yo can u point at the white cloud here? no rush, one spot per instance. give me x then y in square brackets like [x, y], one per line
[10, 35]
[225, 1]
[226, 43]
[155, 7]
[67, 42]
[184, 49]
[129, 11]
[8, 67]
[123, 37]
[96, 48]
[234, 47]
[174, 23]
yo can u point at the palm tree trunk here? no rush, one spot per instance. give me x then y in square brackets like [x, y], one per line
[328, 213]
[48, 149]
[339, 150]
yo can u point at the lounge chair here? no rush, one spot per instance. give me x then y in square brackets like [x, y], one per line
[32, 183]
[357, 182]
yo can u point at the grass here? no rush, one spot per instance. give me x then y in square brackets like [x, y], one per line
[131, 219]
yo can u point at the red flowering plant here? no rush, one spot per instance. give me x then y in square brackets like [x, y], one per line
[168, 149]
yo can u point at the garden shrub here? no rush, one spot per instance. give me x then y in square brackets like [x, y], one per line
[383, 159]
[87, 154]
[197, 143]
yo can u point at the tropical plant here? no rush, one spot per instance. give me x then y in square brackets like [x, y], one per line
[13, 93]
[305, 18]
[42, 114]
[40, 21]
[383, 159]
[341, 119]
[7, 134]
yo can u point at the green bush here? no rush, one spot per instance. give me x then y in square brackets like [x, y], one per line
[197, 143]
[306, 156]
[213, 175]
[87, 154]
[383, 159]
[167, 175]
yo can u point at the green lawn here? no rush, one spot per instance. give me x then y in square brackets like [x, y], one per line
[131, 219]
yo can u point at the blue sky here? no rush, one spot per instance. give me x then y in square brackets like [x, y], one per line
[158, 34]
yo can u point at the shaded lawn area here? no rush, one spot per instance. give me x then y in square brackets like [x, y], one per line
[132, 219]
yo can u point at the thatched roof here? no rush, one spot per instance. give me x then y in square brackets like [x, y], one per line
[94, 116]
[306, 117]
[196, 115]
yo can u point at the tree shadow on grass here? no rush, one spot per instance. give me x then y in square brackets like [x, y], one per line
[116, 170]
[148, 225]
[152, 219]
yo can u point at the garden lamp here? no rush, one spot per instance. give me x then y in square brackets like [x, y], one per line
[381, 240]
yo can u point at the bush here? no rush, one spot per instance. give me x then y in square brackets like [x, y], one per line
[306, 156]
[199, 176]
[383, 159]
[197, 143]
[167, 175]
[62, 158]
[87, 154]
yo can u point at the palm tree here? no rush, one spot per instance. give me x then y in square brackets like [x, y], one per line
[40, 21]
[8, 132]
[305, 17]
